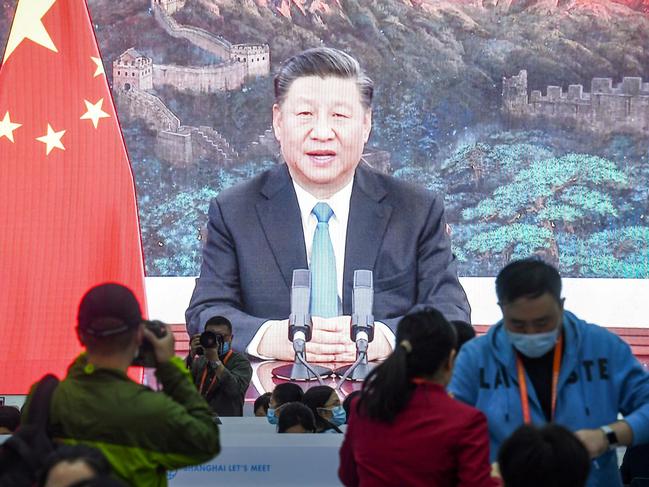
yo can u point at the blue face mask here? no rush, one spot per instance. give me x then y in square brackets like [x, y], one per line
[534, 345]
[339, 416]
[270, 416]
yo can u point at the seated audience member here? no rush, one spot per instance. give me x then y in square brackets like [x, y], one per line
[347, 403]
[296, 418]
[221, 375]
[141, 432]
[635, 464]
[9, 419]
[282, 394]
[405, 429]
[71, 464]
[325, 405]
[541, 363]
[261, 405]
[541, 457]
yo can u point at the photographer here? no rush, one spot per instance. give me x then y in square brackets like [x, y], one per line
[220, 374]
[141, 432]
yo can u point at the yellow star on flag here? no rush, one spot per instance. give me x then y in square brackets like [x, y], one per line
[52, 139]
[100, 66]
[7, 127]
[94, 112]
[28, 25]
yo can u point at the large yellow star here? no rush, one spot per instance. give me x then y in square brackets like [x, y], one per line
[100, 66]
[7, 127]
[28, 25]
[94, 112]
[52, 139]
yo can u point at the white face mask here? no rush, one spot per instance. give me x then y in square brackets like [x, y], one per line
[534, 345]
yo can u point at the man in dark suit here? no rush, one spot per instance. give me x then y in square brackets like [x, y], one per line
[263, 229]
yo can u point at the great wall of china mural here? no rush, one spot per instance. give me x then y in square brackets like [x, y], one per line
[606, 109]
[530, 117]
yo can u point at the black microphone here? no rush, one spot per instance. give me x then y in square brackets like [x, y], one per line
[362, 325]
[299, 332]
[299, 321]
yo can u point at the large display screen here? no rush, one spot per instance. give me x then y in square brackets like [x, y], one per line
[530, 117]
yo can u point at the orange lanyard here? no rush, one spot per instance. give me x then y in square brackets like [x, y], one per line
[556, 366]
[213, 381]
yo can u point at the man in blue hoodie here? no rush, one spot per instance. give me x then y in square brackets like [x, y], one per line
[541, 364]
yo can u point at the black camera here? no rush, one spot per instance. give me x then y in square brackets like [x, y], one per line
[145, 355]
[209, 339]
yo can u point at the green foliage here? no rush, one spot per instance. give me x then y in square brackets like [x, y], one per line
[620, 252]
[555, 189]
[427, 179]
[516, 240]
[545, 196]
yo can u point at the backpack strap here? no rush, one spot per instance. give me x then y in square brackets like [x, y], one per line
[39, 404]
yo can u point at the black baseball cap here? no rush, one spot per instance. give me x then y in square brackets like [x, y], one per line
[108, 309]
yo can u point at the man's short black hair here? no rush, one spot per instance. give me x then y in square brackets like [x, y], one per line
[218, 321]
[527, 278]
[540, 457]
[322, 62]
[293, 414]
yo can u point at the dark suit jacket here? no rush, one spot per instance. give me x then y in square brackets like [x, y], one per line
[255, 241]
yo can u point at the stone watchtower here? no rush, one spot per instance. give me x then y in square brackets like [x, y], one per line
[169, 6]
[515, 93]
[133, 70]
[256, 57]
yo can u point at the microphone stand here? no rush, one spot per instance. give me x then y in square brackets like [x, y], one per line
[299, 332]
[359, 370]
[301, 370]
[362, 328]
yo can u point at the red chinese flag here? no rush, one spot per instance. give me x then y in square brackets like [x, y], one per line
[68, 213]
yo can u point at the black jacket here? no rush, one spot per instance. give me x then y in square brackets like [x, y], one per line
[226, 394]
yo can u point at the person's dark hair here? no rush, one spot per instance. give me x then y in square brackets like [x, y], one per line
[75, 453]
[464, 332]
[100, 482]
[322, 62]
[527, 278]
[287, 392]
[347, 403]
[262, 401]
[294, 413]
[538, 457]
[9, 417]
[424, 341]
[219, 320]
[316, 397]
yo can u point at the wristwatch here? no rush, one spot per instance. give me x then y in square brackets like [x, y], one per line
[611, 437]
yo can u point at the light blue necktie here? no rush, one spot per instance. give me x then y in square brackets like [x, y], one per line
[324, 292]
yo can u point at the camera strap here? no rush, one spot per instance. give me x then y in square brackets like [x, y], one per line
[214, 378]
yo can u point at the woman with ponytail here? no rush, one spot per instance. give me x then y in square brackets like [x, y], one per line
[405, 429]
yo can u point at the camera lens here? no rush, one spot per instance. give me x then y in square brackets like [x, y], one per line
[208, 339]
